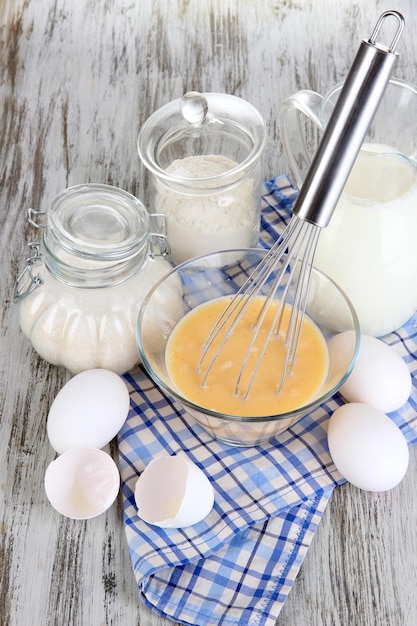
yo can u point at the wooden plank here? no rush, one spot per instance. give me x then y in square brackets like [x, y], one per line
[77, 82]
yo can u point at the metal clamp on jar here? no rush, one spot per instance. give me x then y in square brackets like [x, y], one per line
[84, 282]
[203, 152]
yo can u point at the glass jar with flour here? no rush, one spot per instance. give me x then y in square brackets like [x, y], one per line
[84, 282]
[203, 153]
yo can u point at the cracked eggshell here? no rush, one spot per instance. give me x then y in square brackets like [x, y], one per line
[88, 411]
[172, 492]
[82, 483]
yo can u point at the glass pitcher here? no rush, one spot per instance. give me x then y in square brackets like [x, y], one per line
[369, 247]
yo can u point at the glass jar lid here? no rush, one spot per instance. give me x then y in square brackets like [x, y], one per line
[97, 221]
[200, 124]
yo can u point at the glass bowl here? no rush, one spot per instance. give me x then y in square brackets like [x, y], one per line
[221, 274]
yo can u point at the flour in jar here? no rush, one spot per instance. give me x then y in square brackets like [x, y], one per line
[83, 329]
[217, 212]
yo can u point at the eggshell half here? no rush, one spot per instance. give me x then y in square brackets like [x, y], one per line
[367, 447]
[88, 411]
[82, 483]
[379, 378]
[172, 492]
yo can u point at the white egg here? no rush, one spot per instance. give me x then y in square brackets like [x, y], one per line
[367, 447]
[379, 378]
[88, 411]
[82, 483]
[172, 492]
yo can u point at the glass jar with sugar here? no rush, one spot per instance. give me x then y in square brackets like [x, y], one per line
[203, 154]
[84, 282]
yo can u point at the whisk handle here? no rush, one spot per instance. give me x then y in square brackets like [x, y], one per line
[347, 127]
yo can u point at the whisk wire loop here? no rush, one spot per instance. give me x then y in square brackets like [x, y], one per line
[305, 237]
[291, 255]
[311, 237]
[237, 307]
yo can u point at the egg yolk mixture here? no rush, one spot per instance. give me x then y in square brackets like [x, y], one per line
[185, 346]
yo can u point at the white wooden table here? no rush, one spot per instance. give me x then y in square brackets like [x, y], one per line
[77, 81]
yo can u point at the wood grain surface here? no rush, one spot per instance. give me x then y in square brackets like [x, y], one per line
[77, 81]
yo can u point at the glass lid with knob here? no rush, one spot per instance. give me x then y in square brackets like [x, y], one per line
[98, 220]
[202, 124]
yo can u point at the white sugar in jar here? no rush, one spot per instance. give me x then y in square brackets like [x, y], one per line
[203, 152]
[81, 290]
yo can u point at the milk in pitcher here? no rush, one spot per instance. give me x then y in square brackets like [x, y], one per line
[370, 245]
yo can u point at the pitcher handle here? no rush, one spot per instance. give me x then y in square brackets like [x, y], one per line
[291, 132]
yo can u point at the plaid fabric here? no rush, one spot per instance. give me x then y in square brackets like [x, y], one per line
[236, 567]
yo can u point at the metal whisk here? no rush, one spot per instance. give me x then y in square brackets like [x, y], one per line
[294, 252]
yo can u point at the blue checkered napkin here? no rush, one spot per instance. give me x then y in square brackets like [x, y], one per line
[237, 566]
